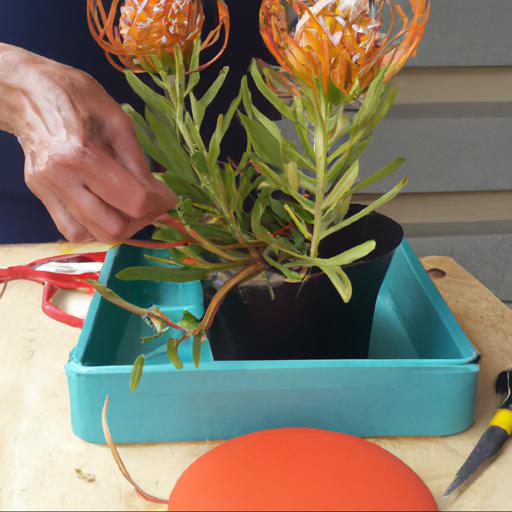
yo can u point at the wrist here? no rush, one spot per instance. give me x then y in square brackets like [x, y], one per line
[24, 84]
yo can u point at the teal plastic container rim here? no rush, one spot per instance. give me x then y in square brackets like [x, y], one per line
[469, 354]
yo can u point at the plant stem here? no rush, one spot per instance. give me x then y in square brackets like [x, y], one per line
[243, 275]
[321, 150]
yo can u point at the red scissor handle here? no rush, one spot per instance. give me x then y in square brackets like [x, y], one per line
[54, 281]
[60, 280]
[51, 310]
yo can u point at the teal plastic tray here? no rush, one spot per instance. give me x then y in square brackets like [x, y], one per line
[420, 379]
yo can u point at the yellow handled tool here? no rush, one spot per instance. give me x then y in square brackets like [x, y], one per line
[498, 432]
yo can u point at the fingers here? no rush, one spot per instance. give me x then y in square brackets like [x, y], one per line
[102, 196]
[106, 223]
[110, 181]
[126, 149]
[66, 223]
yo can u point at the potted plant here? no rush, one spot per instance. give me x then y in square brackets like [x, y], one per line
[291, 266]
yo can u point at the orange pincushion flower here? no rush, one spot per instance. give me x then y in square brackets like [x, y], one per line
[148, 28]
[341, 42]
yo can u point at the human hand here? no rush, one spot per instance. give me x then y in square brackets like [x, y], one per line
[82, 156]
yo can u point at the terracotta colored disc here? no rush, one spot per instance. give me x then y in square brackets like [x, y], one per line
[299, 469]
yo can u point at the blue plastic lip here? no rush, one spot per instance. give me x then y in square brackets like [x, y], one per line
[234, 366]
[78, 352]
[457, 335]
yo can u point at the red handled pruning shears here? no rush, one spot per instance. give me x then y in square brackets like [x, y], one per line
[68, 272]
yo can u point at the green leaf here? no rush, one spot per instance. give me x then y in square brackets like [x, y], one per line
[264, 143]
[344, 162]
[343, 259]
[172, 353]
[145, 136]
[187, 212]
[162, 274]
[289, 274]
[214, 232]
[356, 253]
[369, 209]
[298, 222]
[153, 337]
[168, 235]
[184, 188]
[199, 106]
[379, 175]
[292, 175]
[195, 76]
[156, 102]
[229, 181]
[189, 321]
[136, 375]
[340, 281]
[263, 235]
[177, 160]
[230, 114]
[196, 349]
[279, 182]
[342, 187]
[215, 142]
[270, 95]
[114, 298]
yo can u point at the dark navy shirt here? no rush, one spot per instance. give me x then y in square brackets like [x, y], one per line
[58, 30]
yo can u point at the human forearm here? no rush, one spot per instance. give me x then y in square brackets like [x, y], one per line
[13, 91]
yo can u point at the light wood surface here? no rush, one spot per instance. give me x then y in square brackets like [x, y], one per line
[40, 457]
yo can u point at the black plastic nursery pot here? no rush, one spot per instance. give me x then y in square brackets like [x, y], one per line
[309, 320]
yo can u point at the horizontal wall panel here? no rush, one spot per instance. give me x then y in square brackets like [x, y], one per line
[454, 85]
[486, 211]
[449, 148]
[467, 33]
[487, 257]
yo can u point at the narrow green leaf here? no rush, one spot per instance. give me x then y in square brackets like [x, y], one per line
[292, 174]
[351, 255]
[230, 114]
[196, 349]
[344, 162]
[342, 187]
[136, 375]
[172, 353]
[345, 258]
[279, 182]
[153, 337]
[340, 281]
[156, 102]
[145, 136]
[270, 95]
[177, 160]
[189, 321]
[215, 142]
[379, 175]
[210, 95]
[289, 274]
[168, 235]
[298, 222]
[263, 235]
[184, 188]
[370, 208]
[264, 143]
[114, 298]
[165, 274]
[194, 77]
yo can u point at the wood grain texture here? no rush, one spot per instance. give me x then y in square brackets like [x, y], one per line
[39, 454]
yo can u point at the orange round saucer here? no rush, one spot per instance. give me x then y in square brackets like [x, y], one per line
[299, 469]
